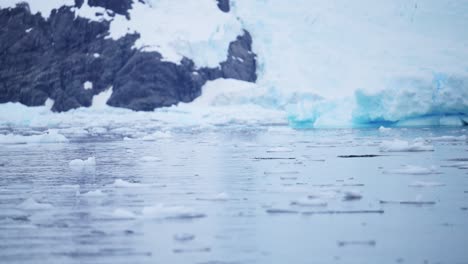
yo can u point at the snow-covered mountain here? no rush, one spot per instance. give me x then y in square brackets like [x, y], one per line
[69, 51]
[307, 63]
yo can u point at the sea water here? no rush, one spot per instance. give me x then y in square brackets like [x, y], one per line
[234, 194]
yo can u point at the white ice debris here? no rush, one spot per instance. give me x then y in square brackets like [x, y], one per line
[414, 170]
[157, 135]
[88, 85]
[309, 203]
[96, 55]
[50, 136]
[119, 183]
[78, 164]
[28, 30]
[421, 184]
[404, 146]
[219, 197]
[95, 193]
[279, 149]
[150, 159]
[33, 205]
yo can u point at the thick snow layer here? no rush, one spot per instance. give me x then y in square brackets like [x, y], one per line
[50, 136]
[196, 29]
[43, 7]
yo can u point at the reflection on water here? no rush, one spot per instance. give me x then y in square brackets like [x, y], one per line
[240, 195]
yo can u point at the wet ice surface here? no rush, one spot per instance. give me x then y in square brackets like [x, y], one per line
[234, 195]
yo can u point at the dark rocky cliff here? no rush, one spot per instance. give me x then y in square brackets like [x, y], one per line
[53, 58]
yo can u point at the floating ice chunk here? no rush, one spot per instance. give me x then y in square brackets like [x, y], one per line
[220, 197]
[352, 196]
[161, 211]
[28, 30]
[50, 136]
[157, 135]
[281, 211]
[33, 205]
[370, 243]
[191, 250]
[96, 55]
[414, 170]
[309, 203]
[415, 202]
[383, 129]
[405, 146]
[420, 184]
[95, 193]
[184, 237]
[78, 164]
[125, 184]
[279, 149]
[150, 159]
[88, 85]
[123, 213]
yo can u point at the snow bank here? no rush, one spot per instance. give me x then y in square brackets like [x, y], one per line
[404, 146]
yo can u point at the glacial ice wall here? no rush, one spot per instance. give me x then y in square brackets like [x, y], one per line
[320, 63]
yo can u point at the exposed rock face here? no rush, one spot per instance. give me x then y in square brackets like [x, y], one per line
[54, 58]
[224, 5]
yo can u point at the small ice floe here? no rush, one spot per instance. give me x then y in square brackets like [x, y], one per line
[123, 214]
[191, 250]
[279, 149]
[415, 202]
[220, 197]
[150, 159]
[50, 136]
[161, 211]
[281, 172]
[405, 146]
[95, 193]
[383, 129]
[352, 196]
[422, 184]
[119, 183]
[288, 178]
[157, 135]
[33, 205]
[96, 55]
[184, 237]
[281, 211]
[414, 170]
[28, 30]
[344, 212]
[370, 243]
[449, 138]
[78, 164]
[309, 203]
